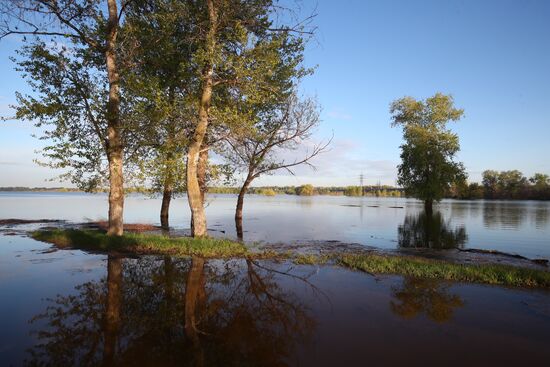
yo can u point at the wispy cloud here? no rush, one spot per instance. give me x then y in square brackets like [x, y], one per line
[340, 165]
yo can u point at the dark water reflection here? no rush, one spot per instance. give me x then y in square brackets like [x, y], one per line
[426, 230]
[153, 312]
[70, 308]
[425, 296]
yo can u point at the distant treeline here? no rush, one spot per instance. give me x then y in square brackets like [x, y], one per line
[308, 190]
[38, 189]
[495, 185]
[504, 185]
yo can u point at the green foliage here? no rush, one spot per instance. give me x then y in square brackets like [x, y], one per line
[428, 167]
[353, 191]
[305, 190]
[267, 192]
[69, 101]
[513, 185]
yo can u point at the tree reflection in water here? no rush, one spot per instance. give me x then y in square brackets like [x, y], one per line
[172, 312]
[429, 296]
[423, 230]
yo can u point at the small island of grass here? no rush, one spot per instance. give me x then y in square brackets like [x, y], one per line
[373, 263]
[140, 243]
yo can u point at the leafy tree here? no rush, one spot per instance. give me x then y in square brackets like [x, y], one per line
[428, 166]
[305, 190]
[76, 75]
[490, 183]
[540, 180]
[159, 92]
[239, 52]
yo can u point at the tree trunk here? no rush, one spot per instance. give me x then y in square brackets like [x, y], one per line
[428, 207]
[194, 195]
[165, 206]
[202, 166]
[112, 309]
[202, 169]
[115, 154]
[239, 208]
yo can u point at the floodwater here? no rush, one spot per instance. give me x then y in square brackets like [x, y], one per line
[520, 227]
[71, 308]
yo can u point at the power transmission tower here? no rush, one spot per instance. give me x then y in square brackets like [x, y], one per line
[361, 177]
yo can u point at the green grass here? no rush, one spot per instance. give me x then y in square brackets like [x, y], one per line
[137, 243]
[427, 268]
[309, 259]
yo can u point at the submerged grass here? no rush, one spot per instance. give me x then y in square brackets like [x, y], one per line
[139, 243]
[429, 268]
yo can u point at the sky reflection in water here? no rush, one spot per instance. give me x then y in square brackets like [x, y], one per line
[521, 227]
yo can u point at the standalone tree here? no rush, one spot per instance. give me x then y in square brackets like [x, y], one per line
[428, 166]
[71, 63]
[257, 152]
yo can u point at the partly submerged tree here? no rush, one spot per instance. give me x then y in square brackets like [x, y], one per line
[428, 166]
[258, 152]
[71, 63]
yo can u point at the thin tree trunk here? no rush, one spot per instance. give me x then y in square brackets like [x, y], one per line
[194, 195]
[239, 208]
[165, 206]
[202, 169]
[115, 154]
[428, 207]
[112, 309]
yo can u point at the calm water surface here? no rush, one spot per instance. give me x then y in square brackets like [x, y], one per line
[67, 307]
[521, 227]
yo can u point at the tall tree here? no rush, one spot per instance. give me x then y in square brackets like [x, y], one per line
[159, 90]
[428, 165]
[77, 75]
[240, 52]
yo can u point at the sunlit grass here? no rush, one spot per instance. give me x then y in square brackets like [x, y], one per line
[141, 243]
[437, 269]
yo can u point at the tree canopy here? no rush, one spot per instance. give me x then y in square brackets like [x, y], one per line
[428, 163]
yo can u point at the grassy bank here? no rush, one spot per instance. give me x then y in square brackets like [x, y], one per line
[136, 243]
[428, 268]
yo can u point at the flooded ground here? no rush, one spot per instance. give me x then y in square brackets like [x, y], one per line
[521, 227]
[68, 307]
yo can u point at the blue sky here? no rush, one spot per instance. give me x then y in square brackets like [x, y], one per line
[493, 56]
